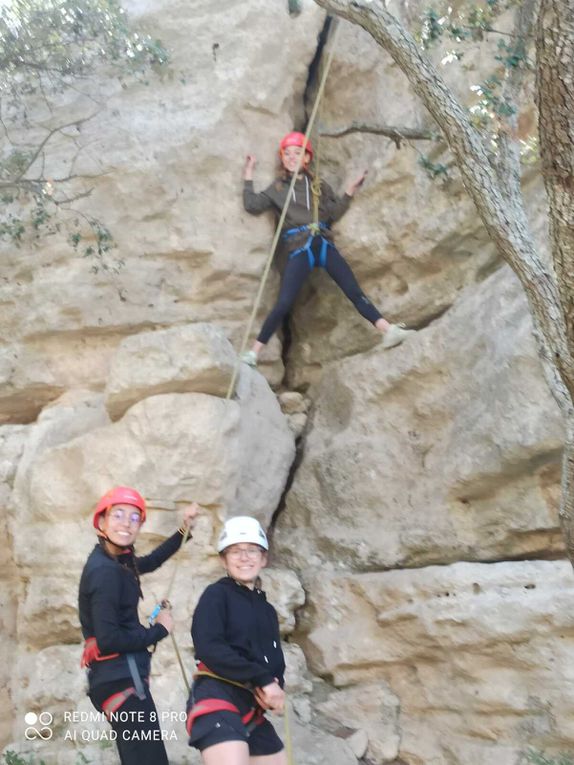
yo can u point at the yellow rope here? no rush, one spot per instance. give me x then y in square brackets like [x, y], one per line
[277, 234]
[209, 673]
[180, 662]
[287, 733]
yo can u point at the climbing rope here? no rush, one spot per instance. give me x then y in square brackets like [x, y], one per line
[287, 733]
[316, 190]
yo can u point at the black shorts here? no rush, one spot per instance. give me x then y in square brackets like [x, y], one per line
[218, 727]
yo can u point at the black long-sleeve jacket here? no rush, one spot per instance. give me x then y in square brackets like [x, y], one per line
[300, 209]
[235, 632]
[108, 604]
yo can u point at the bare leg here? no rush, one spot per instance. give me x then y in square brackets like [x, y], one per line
[256, 347]
[227, 753]
[280, 758]
[382, 325]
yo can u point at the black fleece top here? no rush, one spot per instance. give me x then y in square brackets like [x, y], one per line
[235, 632]
[108, 605]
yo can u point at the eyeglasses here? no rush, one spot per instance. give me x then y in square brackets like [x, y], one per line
[132, 517]
[237, 552]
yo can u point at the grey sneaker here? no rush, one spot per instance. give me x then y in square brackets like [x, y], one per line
[249, 357]
[395, 335]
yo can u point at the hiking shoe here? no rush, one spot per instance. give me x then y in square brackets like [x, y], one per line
[395, 335]
[250, 358]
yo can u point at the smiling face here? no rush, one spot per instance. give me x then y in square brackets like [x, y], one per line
[290, 158]
[121, 525]
[243, 562]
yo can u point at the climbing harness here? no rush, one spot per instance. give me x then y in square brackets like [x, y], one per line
[314, 230]
[203, 671]
[206, 706]
[115, 701]
[250, 720]
[92, 653]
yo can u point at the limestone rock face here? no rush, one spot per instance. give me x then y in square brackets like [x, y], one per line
[232, 456]
[373, 711]
[482, 650]
[165, 162]
[12, 444]
[450, 434]
[173, 446]
[194, 358]
[284, 590]
[444, 450]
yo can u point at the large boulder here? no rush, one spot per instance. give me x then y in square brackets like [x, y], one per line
[196, 358]
[231, 456]
[479, 656]
[444, 448]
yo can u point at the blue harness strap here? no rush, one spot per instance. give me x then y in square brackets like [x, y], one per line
[307, 246]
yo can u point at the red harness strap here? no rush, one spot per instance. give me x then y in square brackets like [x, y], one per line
[207, 706]
[114, 702]
[92, 653]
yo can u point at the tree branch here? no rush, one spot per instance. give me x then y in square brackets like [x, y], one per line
[396, 134]
[42, 145]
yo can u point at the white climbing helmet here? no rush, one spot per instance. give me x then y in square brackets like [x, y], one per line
[242, 528]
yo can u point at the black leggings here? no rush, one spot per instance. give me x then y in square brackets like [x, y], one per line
[296, 272]
[135, 724]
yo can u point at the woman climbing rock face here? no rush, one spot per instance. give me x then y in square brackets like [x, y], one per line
[240, 662]
[308, 239]
[116, 644]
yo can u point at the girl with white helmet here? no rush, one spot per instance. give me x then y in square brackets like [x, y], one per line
[308, 243]
[240, 664]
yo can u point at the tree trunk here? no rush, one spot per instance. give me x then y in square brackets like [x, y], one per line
[555, 95]
[550, 293]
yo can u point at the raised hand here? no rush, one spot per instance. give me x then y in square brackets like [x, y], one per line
[356, 183]
[250, 162]
[190, 514]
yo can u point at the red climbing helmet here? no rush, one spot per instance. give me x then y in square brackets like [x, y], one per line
[120, 495]
[295, 139]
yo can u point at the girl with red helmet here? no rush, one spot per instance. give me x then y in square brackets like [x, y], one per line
[116, 643]
[308, 244]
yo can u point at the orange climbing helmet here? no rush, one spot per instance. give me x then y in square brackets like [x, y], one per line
[120, 495]
[295, 139]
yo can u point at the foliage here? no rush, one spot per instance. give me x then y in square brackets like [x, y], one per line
[12, 758]
[294, 7]
[538, 758]
[47, 47]
[493, 105]
[470, 22]
[433, 170]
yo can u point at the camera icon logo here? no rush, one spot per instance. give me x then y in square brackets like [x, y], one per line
[43, 720]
